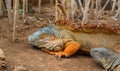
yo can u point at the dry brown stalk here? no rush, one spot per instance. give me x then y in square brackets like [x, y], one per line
[56, 10]
[81, 6]
[15, 18]
[26, 6]
[113, 6]
[68, 9]
[105, 5]
[39, 6]
[23, 9]
[85, 15]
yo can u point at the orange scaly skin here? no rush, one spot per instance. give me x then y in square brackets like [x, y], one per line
[70, 49]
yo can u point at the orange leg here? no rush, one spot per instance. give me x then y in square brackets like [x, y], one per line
[70, 49]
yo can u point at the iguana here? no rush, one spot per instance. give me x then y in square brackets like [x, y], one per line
[65, 39]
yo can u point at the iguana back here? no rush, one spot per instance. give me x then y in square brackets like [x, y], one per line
[89, 35]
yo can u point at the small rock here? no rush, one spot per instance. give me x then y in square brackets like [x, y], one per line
[19, 68]
[3, 64]
[41, 19]
[2, 56]
[32, 19]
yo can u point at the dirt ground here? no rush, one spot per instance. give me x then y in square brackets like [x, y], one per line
[22, 53]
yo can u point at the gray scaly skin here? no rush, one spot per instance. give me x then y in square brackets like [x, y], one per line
[109, 59]
[106, 57]
[43, 38]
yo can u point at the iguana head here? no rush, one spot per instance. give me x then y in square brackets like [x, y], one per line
[42, 36]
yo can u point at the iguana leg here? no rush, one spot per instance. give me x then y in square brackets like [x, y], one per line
[107, 58]
[115, 64]
[113, 61]
[110, 63]
[70, 48]
[97, 54]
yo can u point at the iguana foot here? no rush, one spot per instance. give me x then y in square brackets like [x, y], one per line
[70, 48]
[107, 58]
[59, 54]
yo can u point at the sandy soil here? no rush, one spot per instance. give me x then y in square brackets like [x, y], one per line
[22, 53]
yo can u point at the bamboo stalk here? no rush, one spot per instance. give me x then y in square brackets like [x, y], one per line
[63, 2]
[26, 6]
[60, 16]
[114, 4]
[8, 5]
[0, 3]
[105, 5]
[62, 8]
[68, 9]
[81, 6]
[56, 10]
[72, 9]
[15, 18]
[85, 15]
[92, 4]
[13, 4]
[100, 9]
[23, 14]
[39, 6]
[1, 11]
[84, 1]
[97, 12]
[51, 2]
[118, 11]
[119, 17]
[4, 7]
[117, 3]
